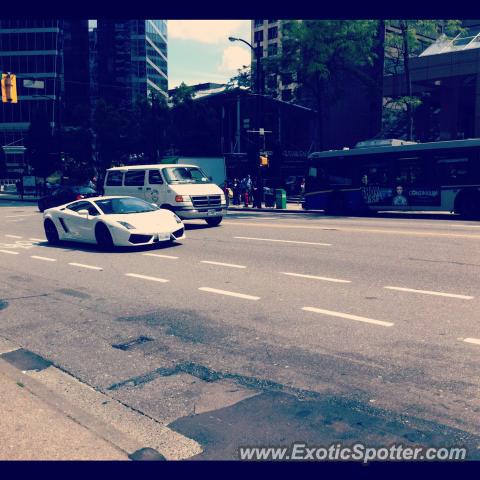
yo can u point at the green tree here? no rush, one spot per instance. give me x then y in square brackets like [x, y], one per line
[40, 146]
[182, 94]
[110, 125]
[405, 39]
[320, 54]
[243, 79]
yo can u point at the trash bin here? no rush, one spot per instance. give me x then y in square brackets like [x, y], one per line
[269, 198]
[281, 198]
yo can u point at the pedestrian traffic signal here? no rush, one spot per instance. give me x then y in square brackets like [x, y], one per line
[263, 161]
[9, 88]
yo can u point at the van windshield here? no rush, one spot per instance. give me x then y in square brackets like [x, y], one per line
[185, 175]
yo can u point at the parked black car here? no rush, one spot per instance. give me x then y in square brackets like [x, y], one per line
[63, 195]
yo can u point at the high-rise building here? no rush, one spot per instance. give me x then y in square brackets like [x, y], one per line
[131, 59]
[53, 56]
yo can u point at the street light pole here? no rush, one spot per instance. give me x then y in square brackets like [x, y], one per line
[258, 90]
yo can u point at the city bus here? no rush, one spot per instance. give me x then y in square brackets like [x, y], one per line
[396, 175]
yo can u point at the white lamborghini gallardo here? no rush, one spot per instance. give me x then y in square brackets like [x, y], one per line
[112, 221]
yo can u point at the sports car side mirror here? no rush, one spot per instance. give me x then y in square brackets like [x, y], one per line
[83, 213]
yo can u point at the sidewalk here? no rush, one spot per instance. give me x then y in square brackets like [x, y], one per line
[31, 429]
[291, 208]
[15, 197]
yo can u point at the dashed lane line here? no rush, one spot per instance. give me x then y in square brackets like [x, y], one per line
[315, 277]
[146, 277]
[475, 341]
[12, 236]
[232, 265]
[430, 292]
[38, 239]
[284, 241]
[81, 265]
[11, 252]
[160, 256]
[47, 259]
[228, 293]
[348, 316]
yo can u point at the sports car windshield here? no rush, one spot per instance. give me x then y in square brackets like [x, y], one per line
[185, 175]
[118, 206]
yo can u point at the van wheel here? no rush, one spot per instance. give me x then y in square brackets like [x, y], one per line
[51, 232]
[214, 222]
[103, 237]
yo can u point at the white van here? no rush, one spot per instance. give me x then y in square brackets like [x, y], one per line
[184, 189]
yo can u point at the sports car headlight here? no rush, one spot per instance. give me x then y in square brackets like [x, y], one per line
[178, 219]
[127, 225]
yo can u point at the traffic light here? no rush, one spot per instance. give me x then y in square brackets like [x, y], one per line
[263, 161]
[9, 88]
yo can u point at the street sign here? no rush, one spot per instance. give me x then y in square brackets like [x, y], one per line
[28, 83]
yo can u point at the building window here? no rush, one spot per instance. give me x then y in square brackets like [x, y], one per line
[258, 23]
[287, 95]
[272, 33]
[272, 49]
[258, 36]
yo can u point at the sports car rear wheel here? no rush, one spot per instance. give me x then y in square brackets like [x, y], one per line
[51, 232]
[104, 237]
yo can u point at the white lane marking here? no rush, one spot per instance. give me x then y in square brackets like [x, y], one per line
[146, 277]
[16, 216]
[348, 316]
[10, 252]
[161, 256]
[223, 264]
[429, 292]
[47, 259]
[476, 341]
[13, 236]
[284, 241]
[91, 267]
[229, 294]
[38, 239]
[315, 277]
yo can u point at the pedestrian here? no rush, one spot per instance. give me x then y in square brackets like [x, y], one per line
[236, 191]
[257, 194]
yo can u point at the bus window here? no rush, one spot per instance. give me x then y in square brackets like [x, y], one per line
[453, 171]
[375, 174]
[411, 171]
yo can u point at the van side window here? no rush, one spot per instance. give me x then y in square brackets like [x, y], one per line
[135, 178]
[114, 179]
[154, 177]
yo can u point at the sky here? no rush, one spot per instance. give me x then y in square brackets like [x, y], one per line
[199, 50]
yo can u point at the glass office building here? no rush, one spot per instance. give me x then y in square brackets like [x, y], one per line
[132, 59]
[54, 54]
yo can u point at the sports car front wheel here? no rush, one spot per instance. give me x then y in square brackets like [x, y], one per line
[104, 237]
[51, 232]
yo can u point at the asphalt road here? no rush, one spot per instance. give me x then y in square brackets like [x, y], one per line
[269, 329]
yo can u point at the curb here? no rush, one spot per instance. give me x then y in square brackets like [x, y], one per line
[17, 199]
[272, 210]
[26, 367]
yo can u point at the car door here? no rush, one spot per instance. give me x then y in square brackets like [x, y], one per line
[79, 227]
[134, 183]
[154, 190]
